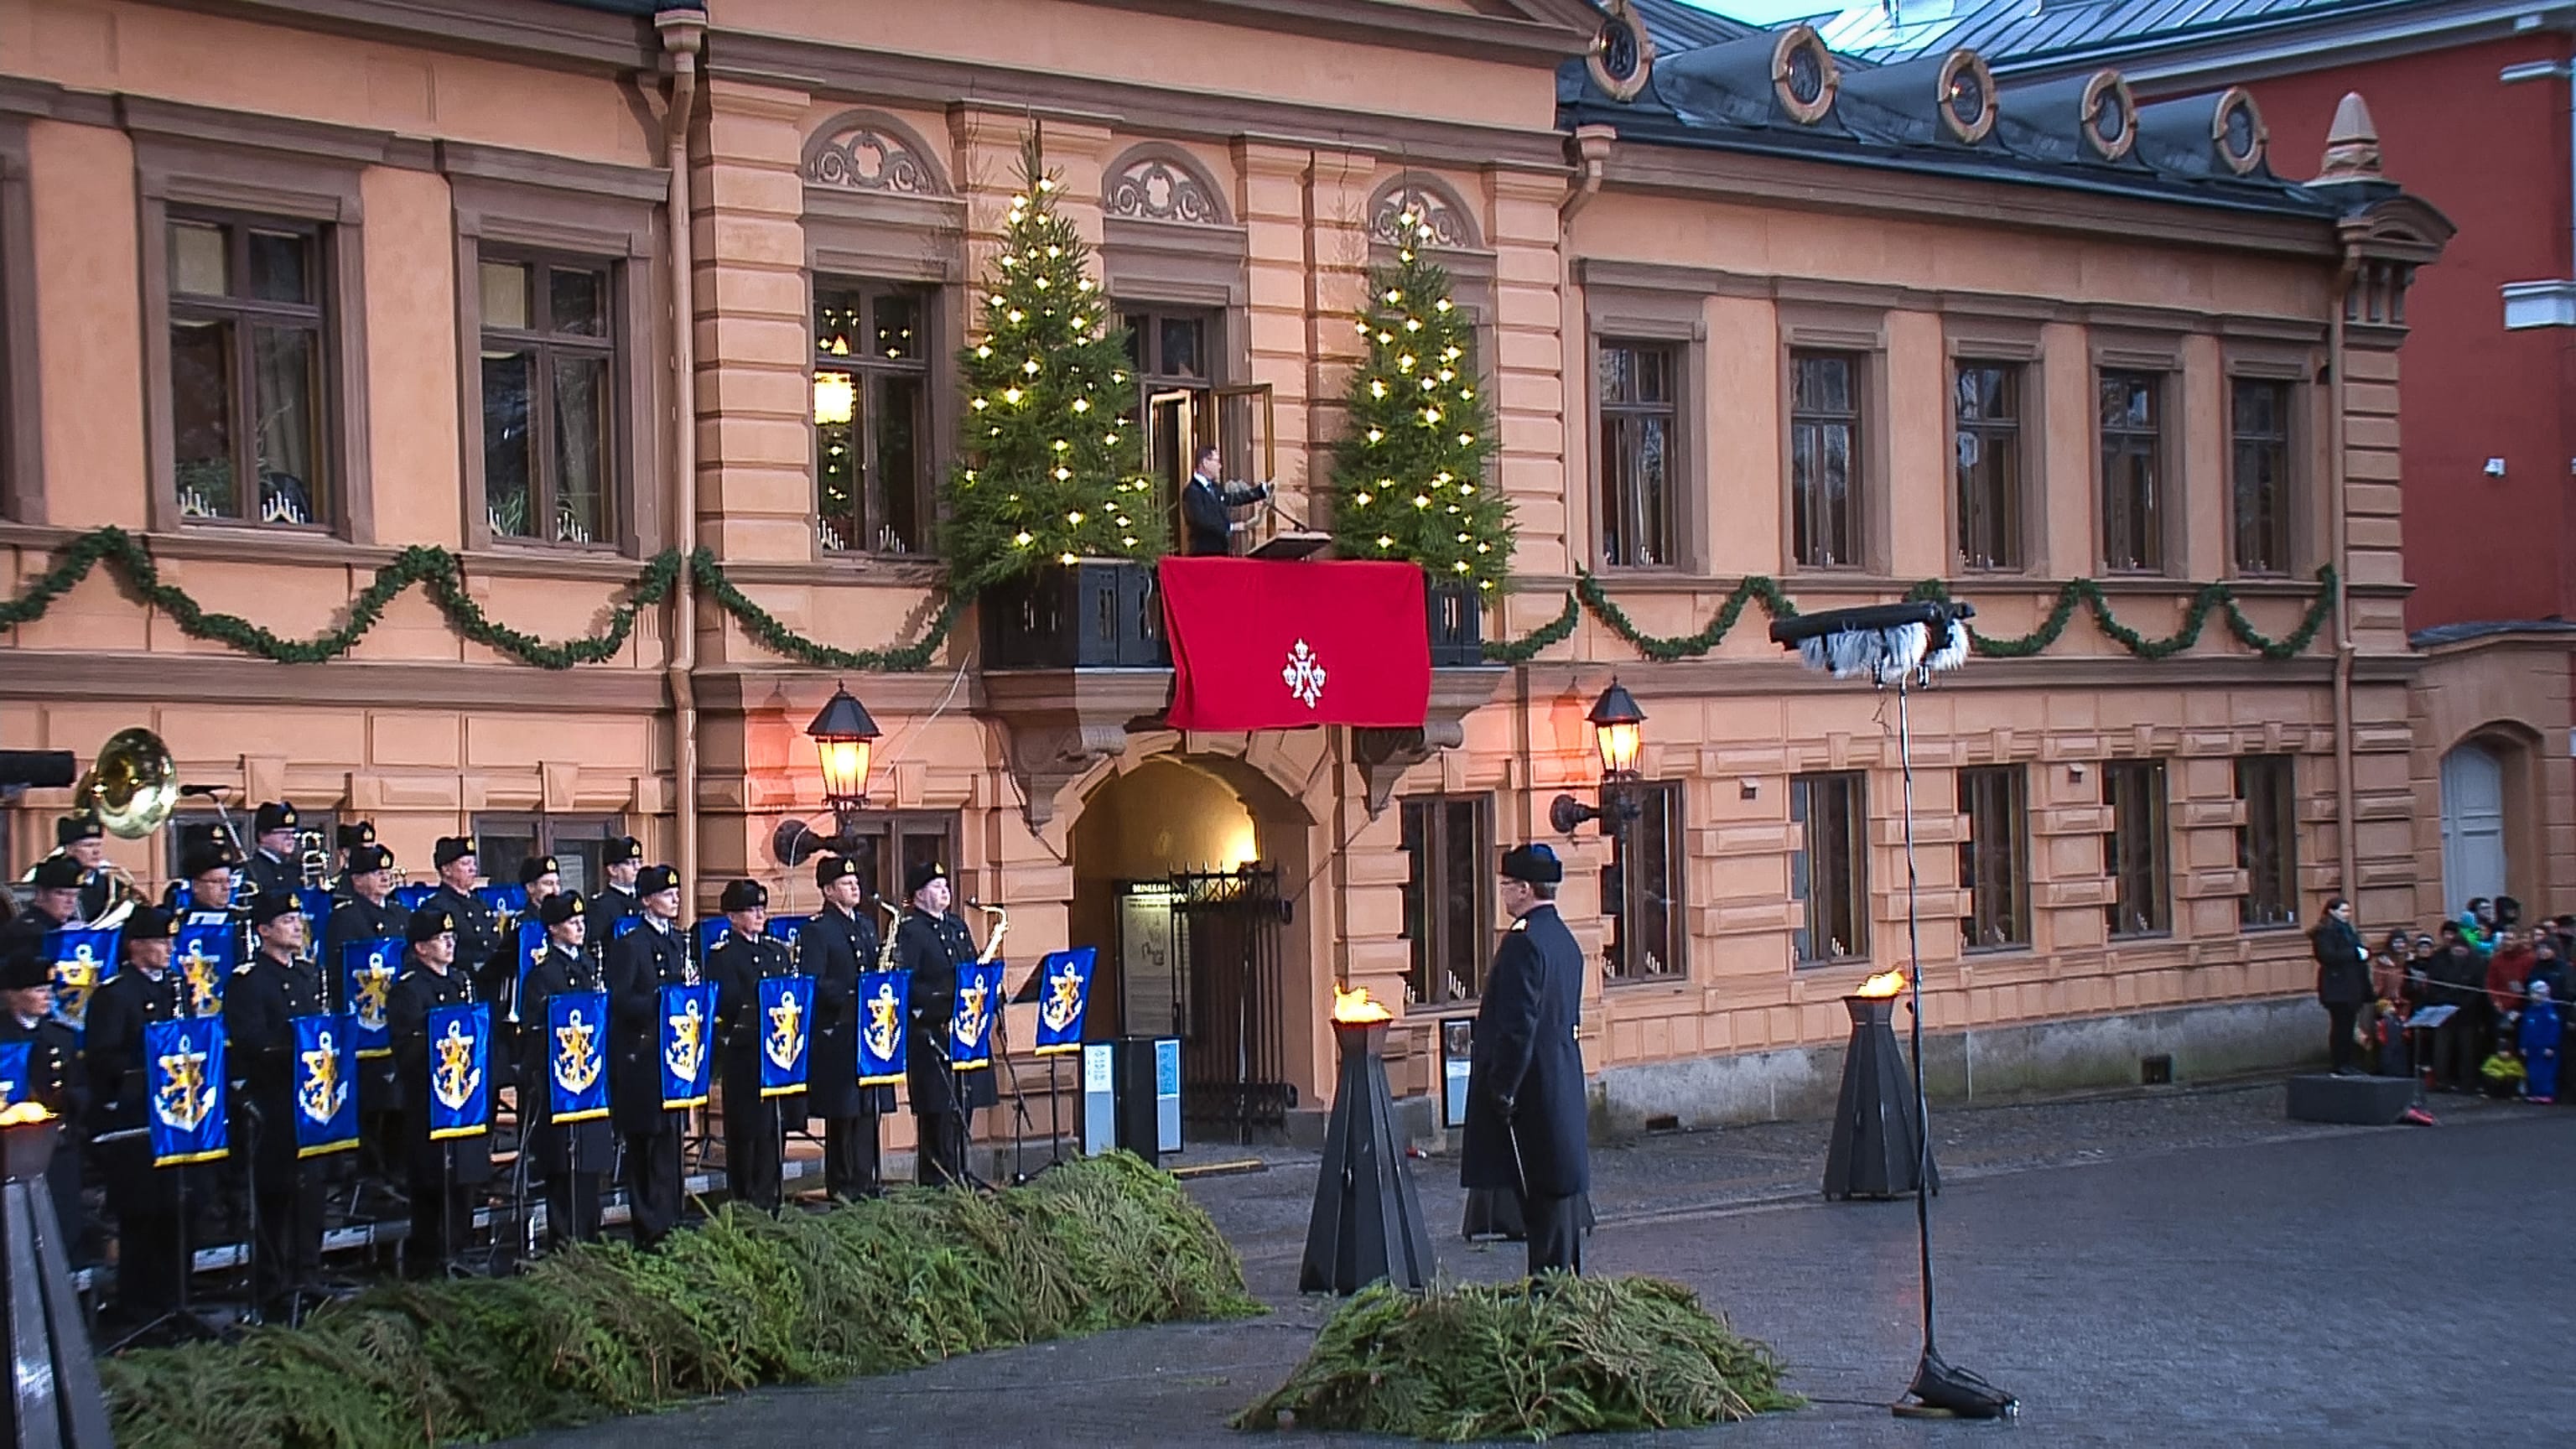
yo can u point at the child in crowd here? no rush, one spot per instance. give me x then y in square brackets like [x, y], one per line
[2540, 1033]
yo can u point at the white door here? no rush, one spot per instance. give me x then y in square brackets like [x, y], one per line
[2472, 826]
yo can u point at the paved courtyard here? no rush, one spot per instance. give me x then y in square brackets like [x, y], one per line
[2175, 1267]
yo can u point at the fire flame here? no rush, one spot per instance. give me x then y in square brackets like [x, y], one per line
[1358, 1006]
[19, 1114]
[1885, 983]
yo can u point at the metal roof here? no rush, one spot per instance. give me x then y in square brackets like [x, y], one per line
[2026, 30]
[1678, 25]
[1722, 97]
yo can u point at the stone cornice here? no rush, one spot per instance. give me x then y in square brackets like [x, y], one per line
[561, 37]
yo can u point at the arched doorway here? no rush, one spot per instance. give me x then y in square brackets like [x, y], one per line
[2473, 825]
[1180, 868]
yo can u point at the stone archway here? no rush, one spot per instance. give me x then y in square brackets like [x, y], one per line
[1186, 873]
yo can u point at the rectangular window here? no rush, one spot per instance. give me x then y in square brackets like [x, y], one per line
[247, 400]
[577, 842]
[1175, 357]
[549, 398]
[1829, 871]
[1448, 895]
[2267, 844]
[1639, 421]
[1824, 459]
[1988, 398]
[1994, 858]
[2133, 525]
[2133, 853]
[1641, 891]
[872, 462]
[2259, 427]
[887, 845]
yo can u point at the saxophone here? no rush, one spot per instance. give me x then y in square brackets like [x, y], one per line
[1001, 927]
[894, 923]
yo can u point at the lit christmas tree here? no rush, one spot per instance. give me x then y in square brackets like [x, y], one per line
[1053, 467]
[1409, 476]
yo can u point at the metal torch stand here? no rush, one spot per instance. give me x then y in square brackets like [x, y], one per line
[1876, 1150]
[57, 1399]
[1368, 1222]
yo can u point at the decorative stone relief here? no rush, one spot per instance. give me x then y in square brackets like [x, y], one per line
[1432, 208]
[861, 153]
[1155, 188]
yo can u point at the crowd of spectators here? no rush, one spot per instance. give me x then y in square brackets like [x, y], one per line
[2475, 1005]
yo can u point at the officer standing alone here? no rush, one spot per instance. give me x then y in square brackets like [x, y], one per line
[1525, 1108]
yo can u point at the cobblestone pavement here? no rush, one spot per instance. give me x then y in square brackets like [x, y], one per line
[2167, 1267]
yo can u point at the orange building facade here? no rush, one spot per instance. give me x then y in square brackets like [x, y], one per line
[294, 290]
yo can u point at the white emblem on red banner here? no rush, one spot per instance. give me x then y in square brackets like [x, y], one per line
[1304, 675]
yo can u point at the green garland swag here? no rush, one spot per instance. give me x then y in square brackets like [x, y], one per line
[443, 574]
[1756, 588]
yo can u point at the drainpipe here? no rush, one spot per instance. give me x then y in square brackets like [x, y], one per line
[683, 34]
[2348, 855]
[1591, 159]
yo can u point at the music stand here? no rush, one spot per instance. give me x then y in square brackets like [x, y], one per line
[1298, 544]
[1031, 991]
[179, 1317]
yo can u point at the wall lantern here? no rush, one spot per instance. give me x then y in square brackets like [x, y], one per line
[1618, 732]
[845, 741]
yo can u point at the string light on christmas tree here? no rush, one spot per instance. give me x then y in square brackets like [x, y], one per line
[1418, 432]
[1033, 381]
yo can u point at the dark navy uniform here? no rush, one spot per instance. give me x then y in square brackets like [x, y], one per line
[610, 906]
[573, 1157]
[640, 964]
[755, 1126]
[272, 875]
[443, 1172]
[1525, 1101]
[931, 948]
[150, 1203]
[835, 948]
[261, 1004]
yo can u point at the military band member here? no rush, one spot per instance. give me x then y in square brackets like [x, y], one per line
[53, 1075]
[260, 1006]
[640, 963]
[839, 943]
[149, 1202]
[572, 1157]
[1525, 1096]
[81, 838]
[930, 944]
[478, 931]
[54, 903]
[444, 1172]
[367, 913]
[276, 866]
[755, 1126]
[348, 838]
[622, 861]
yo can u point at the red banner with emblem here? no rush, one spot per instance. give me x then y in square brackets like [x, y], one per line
[1259, 644]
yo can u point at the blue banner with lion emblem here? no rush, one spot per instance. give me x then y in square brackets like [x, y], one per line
[206, 954]
[1064, 998]
[577, 1055]
[970, 1031]
[326, 1085]
[183, 1077]
[688, 1069]
[882, 995]
[16, 1060]
[786, 1033]
[367, 983]
[82, 960]
[460, 1079]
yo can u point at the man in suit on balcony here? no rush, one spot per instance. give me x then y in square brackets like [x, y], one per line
[1204, 503]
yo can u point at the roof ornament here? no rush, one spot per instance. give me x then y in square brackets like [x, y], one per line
[1622, 57]
[2352, 143]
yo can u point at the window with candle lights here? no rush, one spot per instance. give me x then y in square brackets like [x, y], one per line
[1994, 857]
[2267, 844]
[1641, 890]
[1449, 853]
[873, 472]
[550, 377]
[1829, 869]
[2135, 852]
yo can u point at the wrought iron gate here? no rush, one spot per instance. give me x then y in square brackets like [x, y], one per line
[1234, 1054]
